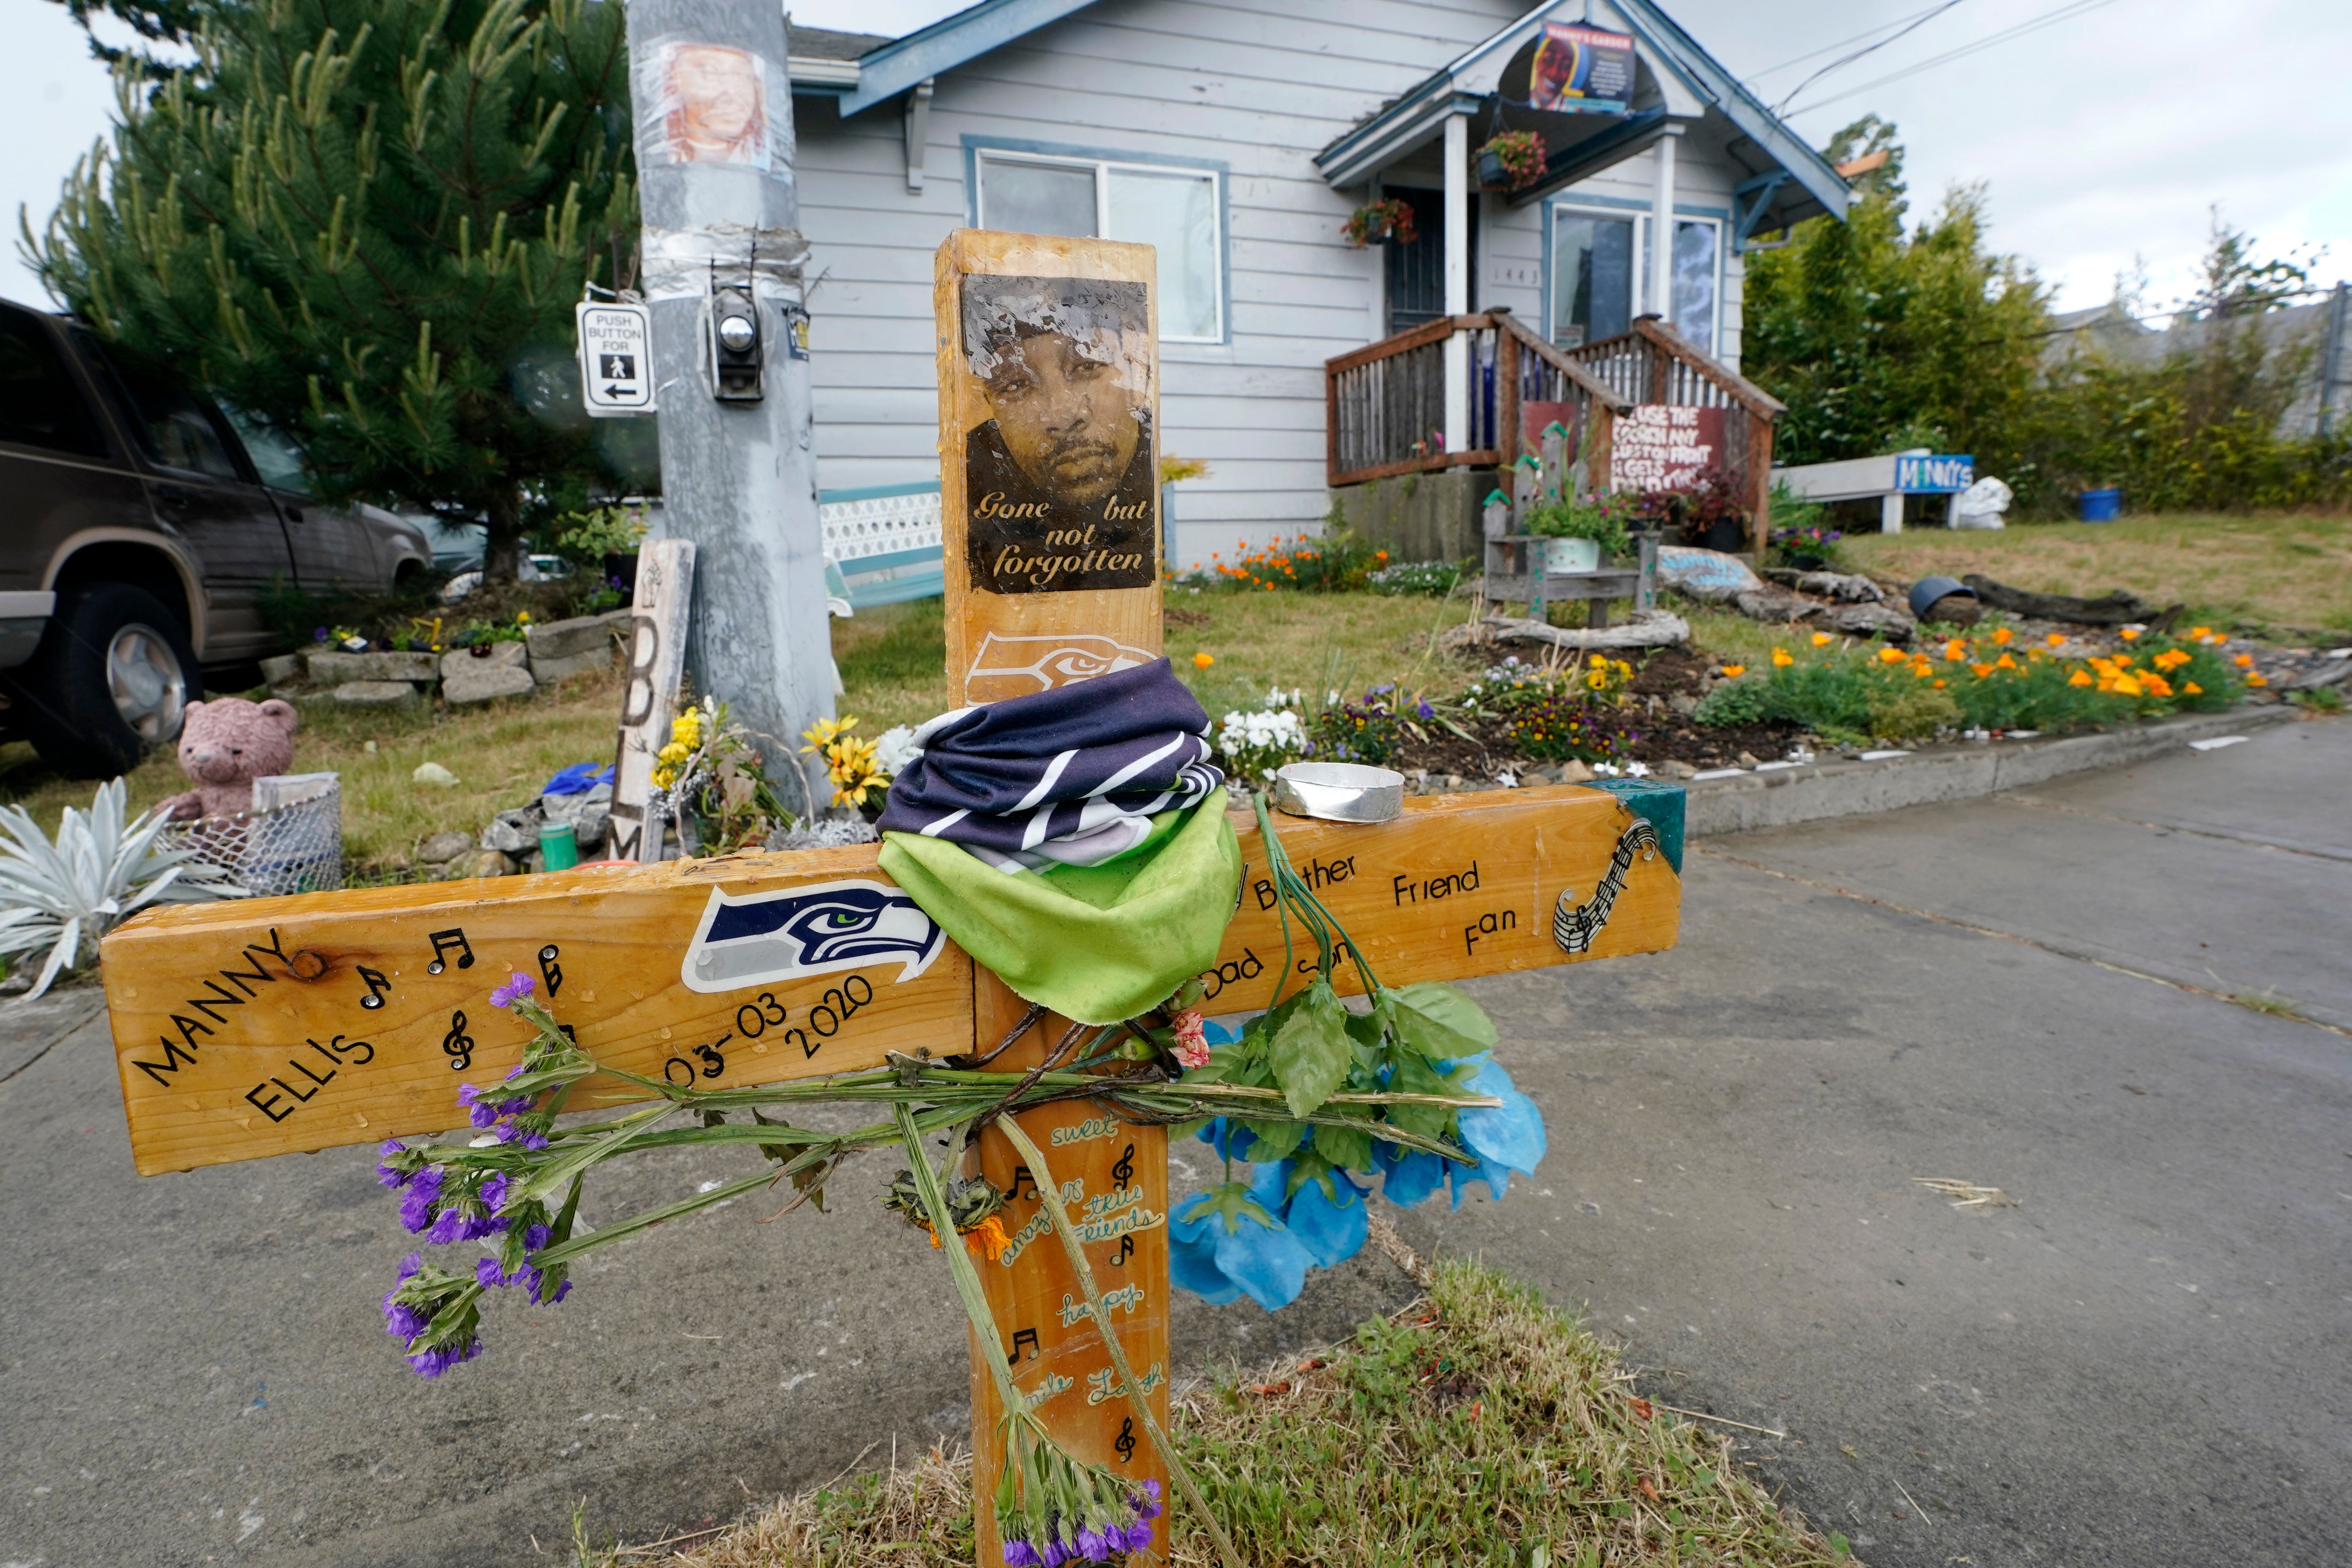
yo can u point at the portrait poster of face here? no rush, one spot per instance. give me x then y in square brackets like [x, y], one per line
[1061, 477]
[711, 105]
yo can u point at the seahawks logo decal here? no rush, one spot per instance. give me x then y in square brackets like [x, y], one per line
[794, 933]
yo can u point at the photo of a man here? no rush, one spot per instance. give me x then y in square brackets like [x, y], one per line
[715, 103]
[1060, 484]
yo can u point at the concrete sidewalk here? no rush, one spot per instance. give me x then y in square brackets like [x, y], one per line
[2144, 1364]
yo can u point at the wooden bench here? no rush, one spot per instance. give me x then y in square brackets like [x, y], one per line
[882, 544]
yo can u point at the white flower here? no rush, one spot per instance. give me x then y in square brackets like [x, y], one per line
[1607, 769]
[894, 749]
[1637, 770]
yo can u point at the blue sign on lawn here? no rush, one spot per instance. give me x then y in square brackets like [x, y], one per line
[1943, 474]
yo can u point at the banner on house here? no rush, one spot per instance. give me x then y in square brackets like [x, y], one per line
[1570, 69]
[1936, 474]
[1658, 447]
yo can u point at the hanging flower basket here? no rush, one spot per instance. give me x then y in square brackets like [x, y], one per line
[1381, 222]
[1511, 159]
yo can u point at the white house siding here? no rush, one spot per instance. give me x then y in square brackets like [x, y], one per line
[1259, 88]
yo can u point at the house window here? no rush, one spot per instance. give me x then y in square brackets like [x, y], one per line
[1597, 289]
[1173, 208]
[1593, 282]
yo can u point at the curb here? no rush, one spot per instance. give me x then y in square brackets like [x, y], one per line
[1812, 791]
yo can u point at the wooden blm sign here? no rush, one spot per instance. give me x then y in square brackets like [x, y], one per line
[262, 1027]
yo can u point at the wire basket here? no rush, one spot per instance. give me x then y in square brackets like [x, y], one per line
[293, 842]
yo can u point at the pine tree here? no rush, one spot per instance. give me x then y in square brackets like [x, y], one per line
[366, 222]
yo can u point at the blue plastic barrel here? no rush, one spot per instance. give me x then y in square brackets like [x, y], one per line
[2102, 506]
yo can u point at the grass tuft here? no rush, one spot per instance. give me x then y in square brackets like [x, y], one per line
[1476, 1427]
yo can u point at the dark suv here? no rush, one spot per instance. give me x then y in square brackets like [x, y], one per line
[142, 528]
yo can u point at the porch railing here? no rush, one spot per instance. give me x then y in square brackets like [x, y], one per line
[1385, 403]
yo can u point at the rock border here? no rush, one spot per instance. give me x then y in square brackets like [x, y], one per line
[1809, 792]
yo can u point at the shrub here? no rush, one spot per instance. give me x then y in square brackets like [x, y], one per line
[1370, 730]
[1337, 561]
[1434, 578]
[1555, 713]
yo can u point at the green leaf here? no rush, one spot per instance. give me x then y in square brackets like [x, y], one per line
[1310, 1053]
[1414, 1076]
[1307, 1167]
[1347, 1146]
[1274, 1140]
[1438, 1021]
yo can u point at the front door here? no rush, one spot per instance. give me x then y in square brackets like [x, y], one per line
[1416, 272]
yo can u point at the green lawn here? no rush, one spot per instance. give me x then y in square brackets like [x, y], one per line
[2287, 578]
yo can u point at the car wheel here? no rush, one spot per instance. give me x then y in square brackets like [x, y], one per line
[113, 676]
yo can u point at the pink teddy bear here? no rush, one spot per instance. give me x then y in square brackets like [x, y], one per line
[224, 745]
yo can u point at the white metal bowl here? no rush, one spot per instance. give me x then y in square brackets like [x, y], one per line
[1339, 791]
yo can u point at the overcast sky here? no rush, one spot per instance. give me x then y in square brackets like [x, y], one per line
[2105, 135]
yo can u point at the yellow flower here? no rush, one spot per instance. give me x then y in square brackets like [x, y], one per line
[1940, 686]
[2256, 679]
[1624, 670]
[2124, 660]
[1820, 639]
[2200, 633]
[1956, 649]
[2003, 634]
[2129, 635]
[1780, 658]
[2080, 678]
[1598, 680]
[1600, 661]
[2156, 684]
[1202, 660]
[1891, 655]
[2245, 661]
[2054, 638]
[674, 752]
[2127, 687]
[2004, 662]
[2190, 688]
[1981, 670]
[1733, 671]
[1922, 670]
[824, 732]
[522, 617]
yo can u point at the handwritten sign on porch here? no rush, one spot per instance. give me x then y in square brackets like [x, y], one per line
[1659, 447]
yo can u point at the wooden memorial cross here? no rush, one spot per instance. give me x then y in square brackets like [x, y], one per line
[264, 1026]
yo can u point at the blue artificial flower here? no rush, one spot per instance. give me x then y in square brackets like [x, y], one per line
[1330, 1225]
[1229, 1137]
[1228, 1243]
[1511, 1134]
[1407, 1176]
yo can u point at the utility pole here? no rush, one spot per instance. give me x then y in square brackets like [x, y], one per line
[721, 271]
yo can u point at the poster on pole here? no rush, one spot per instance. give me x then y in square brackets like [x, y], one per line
[616, 368]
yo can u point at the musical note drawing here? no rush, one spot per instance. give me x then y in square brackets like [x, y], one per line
[1126, 1166]
[458, 1045]
[377, 985]
[443, 941]
[1126, 1250]
[1125, 1444]
[1021, 1178]
[1027, 1337]
[549, 970]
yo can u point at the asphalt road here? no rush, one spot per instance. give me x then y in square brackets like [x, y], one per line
[2143, 1361]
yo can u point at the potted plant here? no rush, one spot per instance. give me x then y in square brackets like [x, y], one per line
[1511, 159]
[1577, 534]
[1378, 222]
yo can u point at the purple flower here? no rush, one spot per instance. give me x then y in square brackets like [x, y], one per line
[1020, 1554]
[536, 1238]
[1054, 1554]
[385, 1174]
[416, 1207]
[533, 1142]
[1137, 1537]
[319, 635]
[494, 1192]
[1146, 1507]
[547, 1301]
[1096, 1545]
[485, 1269]
[433, 1363]
[517, 987]
[448, 1226]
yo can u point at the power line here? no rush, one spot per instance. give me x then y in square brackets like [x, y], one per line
[2047, 19]
[1825, 49]
[1914, 26]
